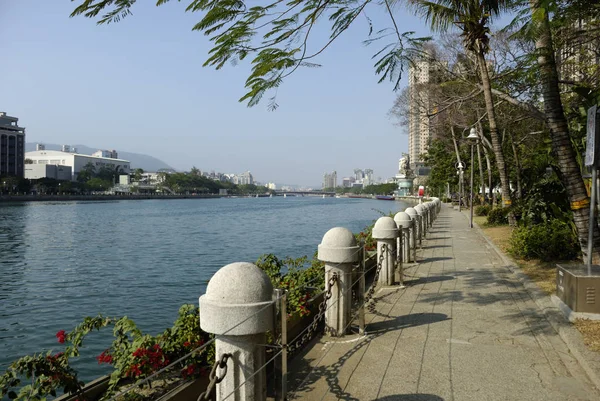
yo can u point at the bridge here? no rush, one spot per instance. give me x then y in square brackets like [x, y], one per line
[304, 193]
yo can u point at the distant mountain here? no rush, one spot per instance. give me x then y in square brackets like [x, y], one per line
[146, 162]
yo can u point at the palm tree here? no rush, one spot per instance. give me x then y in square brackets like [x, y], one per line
[562, 147]
[472, 17]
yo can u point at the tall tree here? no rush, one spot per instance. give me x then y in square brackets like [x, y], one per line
[570, 173]
[473, 17]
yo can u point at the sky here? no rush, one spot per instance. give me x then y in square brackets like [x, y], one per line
[139, 86]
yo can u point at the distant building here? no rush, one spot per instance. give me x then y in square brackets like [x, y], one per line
[272, 186]
[330, 180]
[77, 161]
[244, 179]
[109, 154]
[12, 146]
[348, 181]
[57, 172]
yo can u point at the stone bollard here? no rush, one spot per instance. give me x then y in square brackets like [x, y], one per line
[421, 223]
[405, 223]
[429, 212]
[415, 230]
[422, 212]
[339, 251]
[385, 232]
[238, 309]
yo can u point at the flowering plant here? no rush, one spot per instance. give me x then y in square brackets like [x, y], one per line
[133, 355]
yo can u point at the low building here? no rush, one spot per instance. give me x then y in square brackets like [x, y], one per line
[12, 146]
[37, 171]
[78, 161]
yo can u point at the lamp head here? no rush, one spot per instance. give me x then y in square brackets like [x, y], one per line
[473, 135]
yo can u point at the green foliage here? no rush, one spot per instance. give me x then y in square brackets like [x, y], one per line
[380, 189]
[441, 158]
[98, 184]
[367, 236]
[482, 210]
[278, 35]
[498, 216]
[550, 240]
[544, 200]
[300, 281]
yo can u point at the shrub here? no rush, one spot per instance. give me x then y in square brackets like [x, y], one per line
[482, 210]
[551, 240]
[498, 216]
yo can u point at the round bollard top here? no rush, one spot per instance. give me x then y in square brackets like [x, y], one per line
[385, 228]
[338, 246]
[403, 220]
[411, 212]
[238, 301]
[420, 209]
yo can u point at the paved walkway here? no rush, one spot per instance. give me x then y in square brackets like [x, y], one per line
[465, 328]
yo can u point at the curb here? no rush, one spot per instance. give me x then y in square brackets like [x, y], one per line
[588, 360]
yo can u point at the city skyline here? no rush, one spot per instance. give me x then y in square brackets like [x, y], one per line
[74, 82]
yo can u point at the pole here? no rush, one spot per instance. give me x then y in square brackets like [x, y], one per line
[471, 200]
[459, 188]
[361, 288]
[591, 225]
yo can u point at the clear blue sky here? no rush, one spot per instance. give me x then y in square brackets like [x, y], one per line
[139, 86]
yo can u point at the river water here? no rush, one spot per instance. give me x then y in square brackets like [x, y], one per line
[62, 261]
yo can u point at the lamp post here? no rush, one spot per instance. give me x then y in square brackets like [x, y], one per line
[472, 138]
[460, 168]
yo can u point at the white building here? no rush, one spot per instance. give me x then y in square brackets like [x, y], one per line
[244, 179]
[57, 172]
[77, 161]
[272, 186]
[111, 154]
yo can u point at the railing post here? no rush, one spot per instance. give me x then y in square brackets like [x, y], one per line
[339, 251]
[422, 226]
[362, 269]
[415, 228]
[280, 298]
[385, 232]
[238, 309]
[405, 223]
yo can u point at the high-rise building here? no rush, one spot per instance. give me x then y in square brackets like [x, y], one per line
[358, 175]
[419, 134]
[330, 180]
[245, 179]
[12, 146]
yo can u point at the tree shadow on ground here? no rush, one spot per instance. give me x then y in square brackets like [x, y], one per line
[304, 376]
[410, 397]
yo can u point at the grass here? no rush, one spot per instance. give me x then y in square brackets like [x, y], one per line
[541, 273]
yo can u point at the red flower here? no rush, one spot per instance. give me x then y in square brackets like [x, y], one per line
[186, 344]
[104, 357]
[61, 336]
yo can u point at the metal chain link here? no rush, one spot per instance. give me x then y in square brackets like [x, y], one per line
[214, 379]
[312, 328]
[371, 292]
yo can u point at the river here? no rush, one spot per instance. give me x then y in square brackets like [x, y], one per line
[62, 261]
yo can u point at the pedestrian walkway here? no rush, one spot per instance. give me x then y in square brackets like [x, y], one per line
[464, 328]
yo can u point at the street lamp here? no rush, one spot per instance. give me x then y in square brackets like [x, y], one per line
[59, 188]
[472, 138]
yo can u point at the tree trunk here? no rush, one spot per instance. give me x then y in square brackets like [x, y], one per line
[455, 144]
[570, 174]
[517, 165]
[491, 115]
[481, 172]
[487, 160]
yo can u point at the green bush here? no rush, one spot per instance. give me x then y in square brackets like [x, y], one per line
[551, 240]
[482, 210]
[498, 216]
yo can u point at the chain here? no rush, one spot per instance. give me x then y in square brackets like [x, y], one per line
[371, 292]
[312, 328]
[214, 379]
